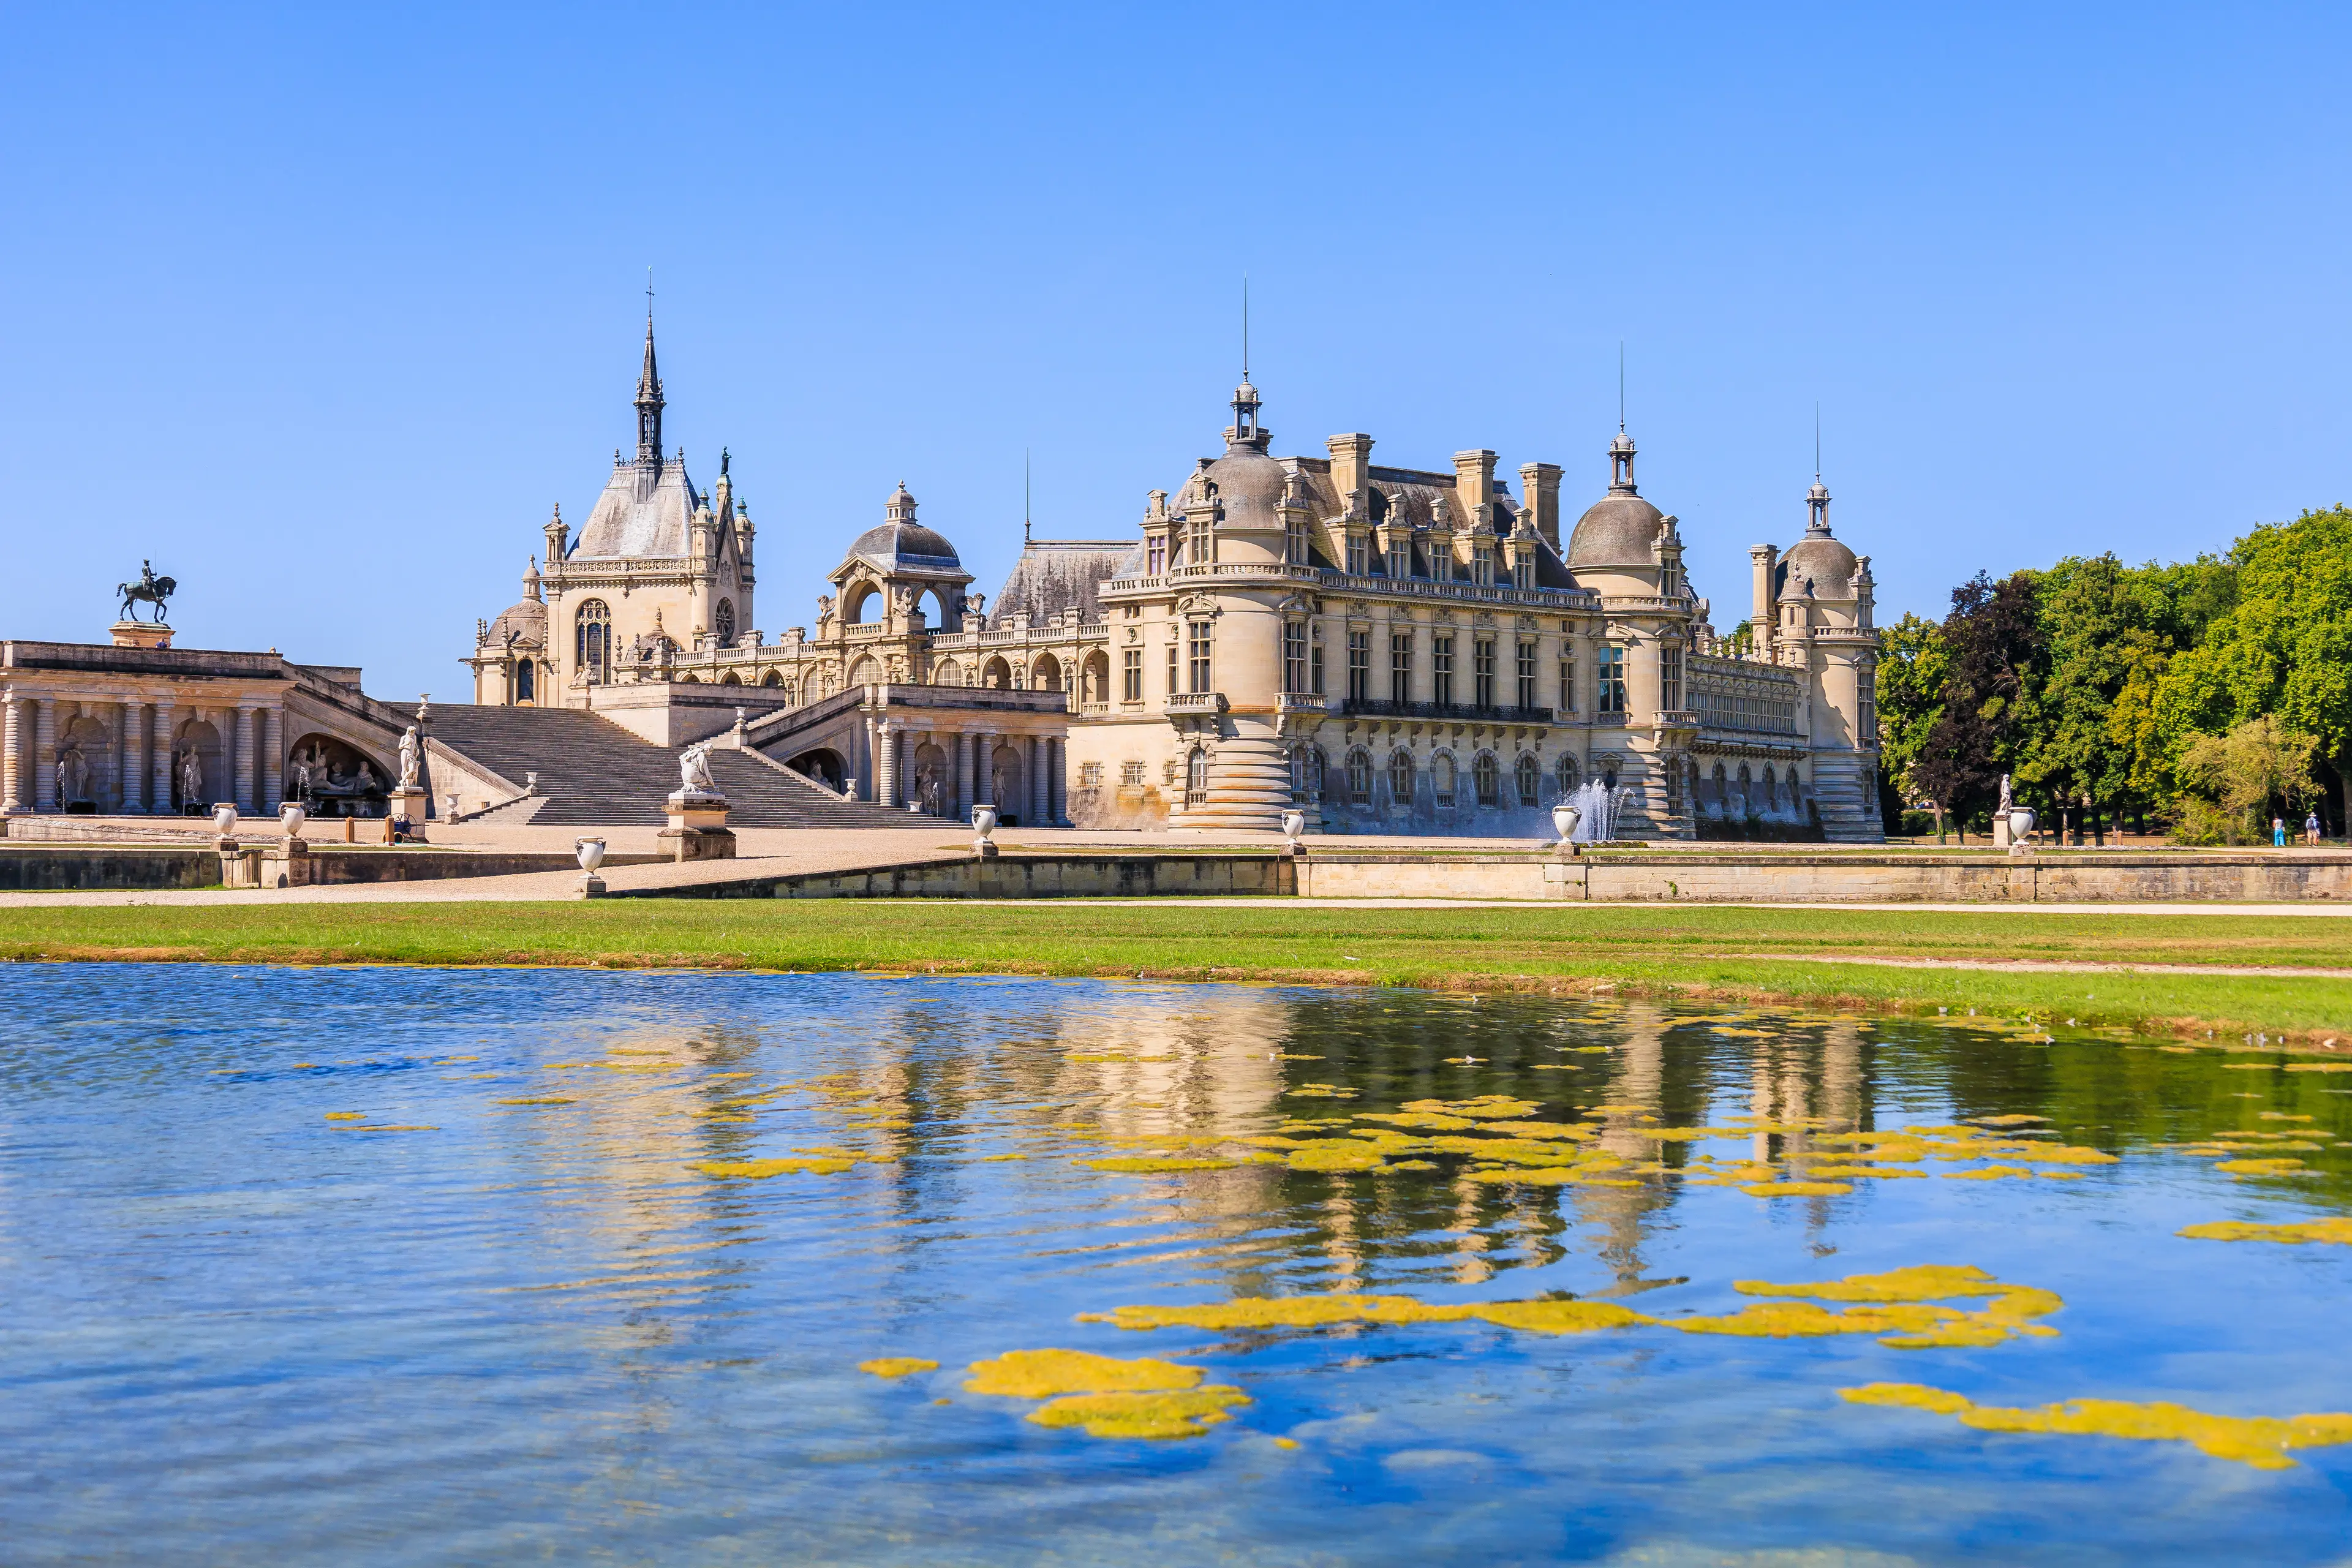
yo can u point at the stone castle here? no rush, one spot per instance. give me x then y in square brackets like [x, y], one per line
[1388, 650]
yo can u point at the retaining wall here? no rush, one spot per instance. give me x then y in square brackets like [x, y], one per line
[1713, 877]
[1012, 875]
[58, 867]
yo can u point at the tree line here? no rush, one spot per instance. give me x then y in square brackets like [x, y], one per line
[2203, 698]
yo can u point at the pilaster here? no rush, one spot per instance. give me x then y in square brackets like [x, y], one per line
[159, 760]
[12, 754]
[44, 754]
[134, 758]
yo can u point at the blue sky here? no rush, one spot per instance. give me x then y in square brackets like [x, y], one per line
[322, 309]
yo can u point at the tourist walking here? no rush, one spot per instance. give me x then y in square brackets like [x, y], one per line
[2311, 826]
[2278, 831]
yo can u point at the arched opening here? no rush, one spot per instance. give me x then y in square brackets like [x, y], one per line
[1486, 777]
[774, 678]
[1771, 791]
[1746, 793]
[722, 624]
[199, 767]
[1045, 675]
[932, 787]
[854, 600]
[1400, 771]
[591, 641]
[86, 769]
[1441, 779]
[1722, 793]
[333, 779]
[1527, 779]
[1094, 684]
[935, 608]
[865, 672]
[1359, 777]
[996, 675]
[525, 688]
[1008, 783]
[1196, 775]
[730, 679]
[946, 672]
[1564, 777]
[823, 765]
[689, 679]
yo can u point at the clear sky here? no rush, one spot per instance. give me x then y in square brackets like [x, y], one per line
[322, 308]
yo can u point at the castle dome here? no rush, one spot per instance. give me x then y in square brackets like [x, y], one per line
[1620, 529]
[1819, 558]
[525, 620]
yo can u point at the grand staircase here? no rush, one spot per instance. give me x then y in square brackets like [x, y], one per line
[594, 774]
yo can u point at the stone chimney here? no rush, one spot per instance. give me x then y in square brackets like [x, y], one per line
[1352, 468]
[1540, 484]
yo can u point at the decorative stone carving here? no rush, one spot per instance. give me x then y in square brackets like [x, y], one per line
[410, 750]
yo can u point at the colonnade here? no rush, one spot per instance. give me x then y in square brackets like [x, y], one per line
[891, 745]
[142, 733]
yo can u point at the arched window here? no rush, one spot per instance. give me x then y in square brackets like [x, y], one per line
[1771, 791]
[1564, 776]
[1441, 778]
[1196, 776]
[774, 678]
[1401, 771]
[730, 679]
[526, 682]
[1528, 777]
[591, 640]
[1487, 775]
[1046, 675]
[1307, 773]
[1359, 776]
[722, 623]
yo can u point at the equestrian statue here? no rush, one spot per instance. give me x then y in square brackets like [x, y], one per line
[150, 588]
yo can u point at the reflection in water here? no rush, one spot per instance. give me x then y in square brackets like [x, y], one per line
[537, 1329]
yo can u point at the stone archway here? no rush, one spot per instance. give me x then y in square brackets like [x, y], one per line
[933, 783]
[1009, 785]
[823, 764]
[1094, 684]
[996, 675]
[1045, 675]
[211, 775]
[332, 777]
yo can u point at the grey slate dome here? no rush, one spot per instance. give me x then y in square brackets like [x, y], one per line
[1249, 487]
[1620, 529]
[892, 544]
[1818, 557]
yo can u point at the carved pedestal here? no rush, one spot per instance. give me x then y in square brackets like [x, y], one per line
[698, 827]
[290, 867]
[406, 812]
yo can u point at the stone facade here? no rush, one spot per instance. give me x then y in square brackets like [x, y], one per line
[1391, 650]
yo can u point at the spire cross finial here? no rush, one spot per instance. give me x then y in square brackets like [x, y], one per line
[649, 299]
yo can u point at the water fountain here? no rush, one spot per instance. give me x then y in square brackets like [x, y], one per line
[1597, 804]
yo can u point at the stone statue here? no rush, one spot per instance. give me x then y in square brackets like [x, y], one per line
[73, 776]
[192, 777]
[694, 769]
[2004, 794]
[150, 589]
[364, 779]
[301, 790]
[823, 608]
[408, 759]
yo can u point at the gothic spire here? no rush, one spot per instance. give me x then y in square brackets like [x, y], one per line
[649, 394]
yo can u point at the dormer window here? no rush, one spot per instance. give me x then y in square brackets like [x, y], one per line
[1360, 553]
[1399, 557]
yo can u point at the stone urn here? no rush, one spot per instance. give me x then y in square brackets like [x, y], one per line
[2020, 830]
[224, 819]
[983, 823]
[292, 817]
[591, 855]
[1293, 823]
[1564, 818]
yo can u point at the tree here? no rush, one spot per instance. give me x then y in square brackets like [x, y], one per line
[1990, 641]
[2232, 783]
[1912, 669]
[2282, 647]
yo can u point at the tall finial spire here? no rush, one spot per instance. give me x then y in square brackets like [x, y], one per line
[1246, 431]
[1024, 495]
[1244, 326]
[649, 392]
[1621, 386]
[1817, 500]
[1817, 443]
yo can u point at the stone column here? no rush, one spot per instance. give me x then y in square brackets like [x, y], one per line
[984, 768]
[870, 774]
[134, 758]
[44, 754]
[962, 798]
[273, 759]
[12, 754]
[1037, 815]
[1058, 782]
[242, 791]
[159, 760]
[886, 760]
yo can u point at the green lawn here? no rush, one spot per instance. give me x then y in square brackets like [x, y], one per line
[1765, 953]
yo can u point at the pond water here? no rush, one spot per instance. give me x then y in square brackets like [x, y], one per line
[383, 1266]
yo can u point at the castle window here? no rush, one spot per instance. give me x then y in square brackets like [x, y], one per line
[1401, 777]
[1482, 567]
[1441, 780]
[1315, 667]
[1196, 776]
[1440, 657]
[1294, 657]
[1172, 687]
[1610, 679]
[591, 640]
[1670, 678]
[1866, 710]
[1400, 556]
[1204, 547]
[1131, 774]
[1090, 775]
[1481, 671]
[1359, 776]
[1567, 681]
[1527, 774]
[1564, 776]
[1201, 673]
[1523, 569]
[1155, 555]
[1359, 550]
[1527, 672]
[526, 682]
[1399, 666]
[1294, 541]
[1130, 677]
[1489, 777]
[1359, 667]
[722, 623]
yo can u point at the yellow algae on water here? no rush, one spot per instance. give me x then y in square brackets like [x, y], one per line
[347, 1116]
[2281, 1116]
[896, 1366]
[992, 1159]
[1151, 1165]
[1426, 1121]
[1321, 1091]
[1046, 1374]
[1189, 1414]
[1848, 1173]
[1804, 1319]
[2288, 1168]
[760, 1170]
[2259, 1441]
[1572, 1129]
[1920, 1283]
[1559, 1317]
[2319, 1067]
[2013, 1120]
[2338, 1231]
[1281, 1313]
[1485, 1107]
[1796, 1189]
[1334, 1157]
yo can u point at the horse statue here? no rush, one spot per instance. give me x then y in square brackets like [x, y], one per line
[150, 588]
